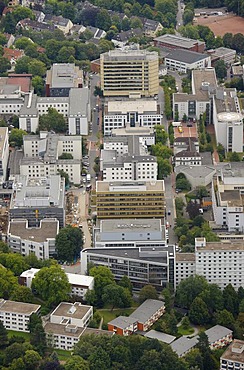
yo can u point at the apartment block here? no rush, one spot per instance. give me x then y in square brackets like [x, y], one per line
[131, 161]
[124, 233]
[67, 323]
[35, 199]
[80, 284]
[131, 113]
[42, 156]
[61, 78]
[129, 72]
[189, 155]
[16, 315]
[137, 199]
[228, 197]
[233, 357]
[147, 265]
[220, 263]
[146, 135]
[33, 240]
[185, 266]
[4, 153]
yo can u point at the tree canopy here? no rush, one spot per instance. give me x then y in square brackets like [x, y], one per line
[52, 121]
[68, 243]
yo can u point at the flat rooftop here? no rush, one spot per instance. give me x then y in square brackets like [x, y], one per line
[185, 257]
[132, 131]
[18, 307]
[128, 55]
[61, 329]
[233, 169]
[130, 225]
[48, 230]
[233, 198]
[137, 105]
[79, 99]
[64, 75]
[225, 102]
[204, 81]
[222, 246]
[235, 351]
[129, 186]
[185, 56]
[178, 41]
[3, 138]
[76, 310]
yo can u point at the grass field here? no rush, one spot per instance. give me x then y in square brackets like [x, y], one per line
[62, 354]
[109, 315]
[12, 333]
[182, 331]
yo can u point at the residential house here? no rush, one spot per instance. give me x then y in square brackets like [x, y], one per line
[123, 325]
[12, 55]
[151, 27]
[10, 39]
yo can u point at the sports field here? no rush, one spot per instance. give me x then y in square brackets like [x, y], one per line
[222, 24]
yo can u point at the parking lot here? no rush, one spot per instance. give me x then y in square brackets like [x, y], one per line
[186, 131]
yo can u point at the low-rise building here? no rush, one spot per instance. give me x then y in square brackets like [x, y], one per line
[127, 158]
[219, 336]
[183, 143]
[123, 325]
[130, 114]
[226, 54]
[188, 156]
[16, 315]
[183, 345]
[42, 156]
[179, 42]
[197, 175]
[184, 60]
[233, 357]
[35, 199]
[130, 233]
[146, 134]
[80, 284]
[147, 265]
[127, 199]
[151, 27]
[39, 241]
[67, 323]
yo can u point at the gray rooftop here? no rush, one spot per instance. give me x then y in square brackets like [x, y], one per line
[120, 55]
[79, 99]
[186, 56]
[146, 310]
[48, 229]
[18, 307]
[73, 310]
[178, 41]
[130, 225]
[183, 345]
[123, 321]
[30, 105]
[222, 51]
[163, 337]
[233, 170]
[217, 332]
[196, 171]
[64, 75]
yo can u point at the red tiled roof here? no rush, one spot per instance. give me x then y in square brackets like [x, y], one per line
[22, 80]
[12, 53]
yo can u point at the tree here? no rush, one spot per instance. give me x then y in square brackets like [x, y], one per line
[98, 91]
[38, 84]
[65, 156]
[201, 192]
[8, 283]
[22, 294]
[167, 299]
[13, 351]
[37, 333]
[231, 302]
[116, 296]
[31, 51]
[103, 20]
[102, 277]
[189, 289]
[16, 137]
[220, 69]
[198, 313]
[136, 23]
[238, 43]
[164, 168]
[183, 184]
[52, 121]
[17, 364]
[52, 285]
[225, 318]
[31, 359]
[194, 359]
[68, 243]
[14, 262]
[192, 209]
[227, 39]
[23, 43]
[188, 16]
[209, 363]
[126, 283]
[213, 298]
[5, 64]
[64, 174]
[3, 336]
[65, 53]
[22, 13]
[147, 292]
[161, 151]
[37, 68]
[76, 363]
[234, 157]
[99, 359]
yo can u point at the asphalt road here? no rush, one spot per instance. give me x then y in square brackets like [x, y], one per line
[179, 18]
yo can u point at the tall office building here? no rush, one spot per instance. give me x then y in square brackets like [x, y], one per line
[126, 199]
[129, 73]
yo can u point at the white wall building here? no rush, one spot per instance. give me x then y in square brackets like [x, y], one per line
[131, 113]
[80, 284]
[185, 266]
[41, 156]
[227, 197]
[37, 240]
[16, 315]
[220, 263]
[184, 60]
[4, 152]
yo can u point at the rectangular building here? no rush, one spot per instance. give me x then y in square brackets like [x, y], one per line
[185, 266]
[4, 153]
[131, 113]
[37, 199]
[16, 315]
[33, 240]
[138, 199]
[130, 233]
[61, 78]
[233, 357]
[125, 73]
[184, 60]
[179, 42]
[147, 265]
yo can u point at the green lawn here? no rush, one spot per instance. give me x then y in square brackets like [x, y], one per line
[109, 315]
[12, 333]
[182, 331]
[62, 354]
